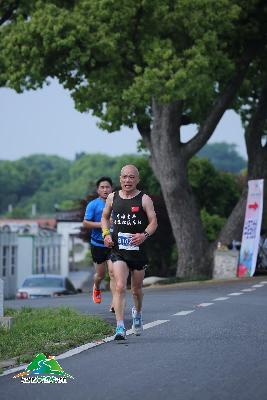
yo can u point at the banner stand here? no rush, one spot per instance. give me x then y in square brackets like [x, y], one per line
[252, 228]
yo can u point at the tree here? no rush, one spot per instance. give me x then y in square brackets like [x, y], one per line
[20, 180]
[223, 156]
[158, 64]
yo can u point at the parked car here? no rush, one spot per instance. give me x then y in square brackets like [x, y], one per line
[43, 285]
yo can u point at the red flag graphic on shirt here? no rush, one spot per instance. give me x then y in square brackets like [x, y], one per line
[135, 209]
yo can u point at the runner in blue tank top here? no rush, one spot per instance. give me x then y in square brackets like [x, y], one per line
[100, 253]
[134, 220]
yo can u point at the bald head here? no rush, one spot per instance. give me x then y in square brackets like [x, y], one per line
[130, 170]
[129, 179]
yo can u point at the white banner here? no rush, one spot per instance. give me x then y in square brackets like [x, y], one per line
[252, 227]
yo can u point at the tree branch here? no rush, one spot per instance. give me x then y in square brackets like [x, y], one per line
[167, 119]
[222, 103]
[145, 131]
[255, 129]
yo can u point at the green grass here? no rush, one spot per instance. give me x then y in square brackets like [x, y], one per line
[48, 330]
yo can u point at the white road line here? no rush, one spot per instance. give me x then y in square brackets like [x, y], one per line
[184, 312]
[248, 290]
[257, 285]
[264, 282]
[221, 298]
[154, 323]
[235, 294]
[86, 346]
[204, 304]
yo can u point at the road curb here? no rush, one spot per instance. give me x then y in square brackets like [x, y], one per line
[206, 282]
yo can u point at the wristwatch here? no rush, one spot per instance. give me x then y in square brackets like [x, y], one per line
[146, 234]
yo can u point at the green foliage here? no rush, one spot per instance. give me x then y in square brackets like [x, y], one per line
[212, 224]
[115, 56]
[34, 177]
[17, 212]
[50, 180]
[64, 182]
[216, 191]
[69, 204]
[223, 156]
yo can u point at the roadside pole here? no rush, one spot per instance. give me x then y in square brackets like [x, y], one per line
[1, 298]
[5, 322]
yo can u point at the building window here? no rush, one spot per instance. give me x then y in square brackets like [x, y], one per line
[13, 259]
[42, 260]
[58, 258]
[48, 259]
[54, 261]
[36, 260]
[5, 260]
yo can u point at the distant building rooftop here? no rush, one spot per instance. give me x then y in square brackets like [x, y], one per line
[27, 225]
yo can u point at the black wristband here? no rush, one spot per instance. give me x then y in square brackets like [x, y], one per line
[146, 234]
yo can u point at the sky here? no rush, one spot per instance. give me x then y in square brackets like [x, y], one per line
[45, 122]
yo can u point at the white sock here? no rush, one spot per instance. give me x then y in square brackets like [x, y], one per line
[120, 323]
[136, 314]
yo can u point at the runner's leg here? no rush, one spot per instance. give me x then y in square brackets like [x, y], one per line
[112, 280]
[137, 278]
[120, 273]
[100, 270]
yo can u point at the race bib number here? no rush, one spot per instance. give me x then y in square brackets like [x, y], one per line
[124, 242]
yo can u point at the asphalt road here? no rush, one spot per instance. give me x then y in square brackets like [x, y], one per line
[208, 342]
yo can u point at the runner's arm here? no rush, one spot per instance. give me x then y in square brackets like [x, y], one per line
[91, 224]
[105, 221]
[148, 207]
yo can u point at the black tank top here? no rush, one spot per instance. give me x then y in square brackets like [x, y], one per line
[128, 217]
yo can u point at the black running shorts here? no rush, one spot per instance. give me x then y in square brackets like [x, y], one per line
[100, 254]
[139, 265]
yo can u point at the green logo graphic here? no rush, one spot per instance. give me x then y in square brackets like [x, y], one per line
[43, 370]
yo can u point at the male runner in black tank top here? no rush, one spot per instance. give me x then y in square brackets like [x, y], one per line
[134, 220]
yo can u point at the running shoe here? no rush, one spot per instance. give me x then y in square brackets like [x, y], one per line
[96, 295]
[120, 333]
[112, 310]
[137, 326]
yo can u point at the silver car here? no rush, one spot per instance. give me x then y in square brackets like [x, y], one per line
[43, 285]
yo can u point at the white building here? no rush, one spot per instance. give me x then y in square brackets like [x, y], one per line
[38, 254]
[33, 246]
[26, 249]
[69, 223]
[9, 262]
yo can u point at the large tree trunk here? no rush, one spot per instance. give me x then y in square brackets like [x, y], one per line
[181, 206]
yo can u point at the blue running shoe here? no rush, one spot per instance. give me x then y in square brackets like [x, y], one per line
[120, 333]
[137, 326]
